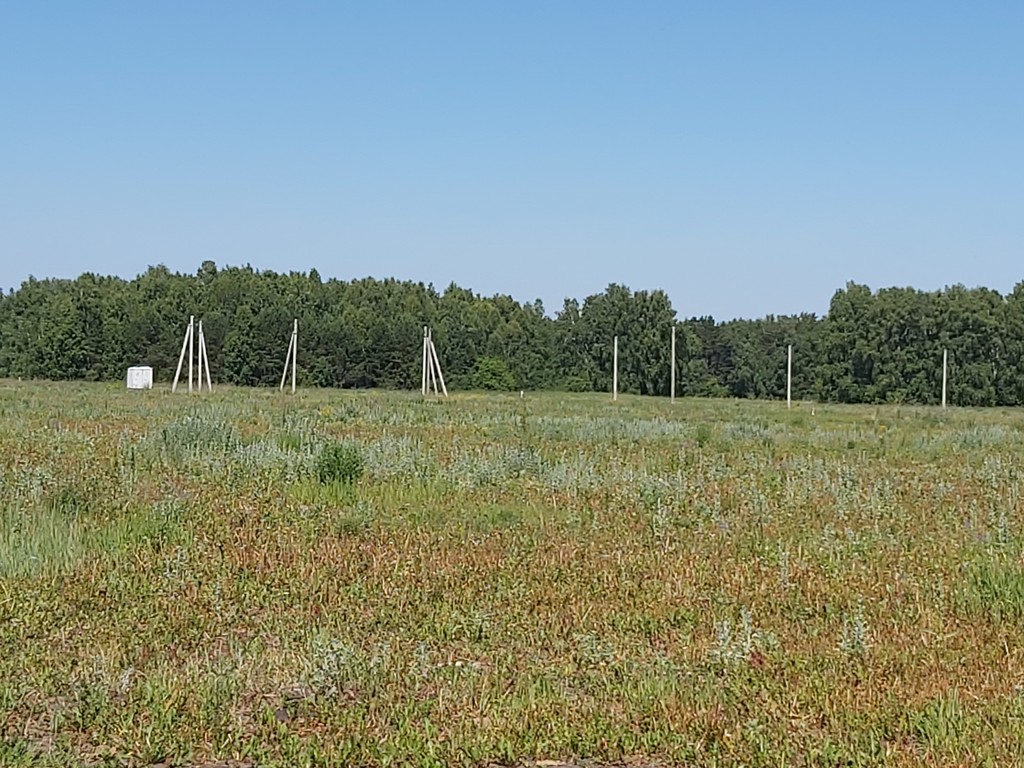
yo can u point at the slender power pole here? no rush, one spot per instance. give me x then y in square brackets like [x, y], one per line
[672, 386]
[615, 369]
[945, 358]
[191, 349]
[789, 378]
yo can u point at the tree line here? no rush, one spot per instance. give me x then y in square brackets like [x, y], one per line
[870, 347]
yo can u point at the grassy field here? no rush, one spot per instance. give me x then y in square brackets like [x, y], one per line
[557, 577]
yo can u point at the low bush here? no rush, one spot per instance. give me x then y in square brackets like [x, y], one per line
[340, 462]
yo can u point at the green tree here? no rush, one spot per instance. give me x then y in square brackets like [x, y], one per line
[492, 373]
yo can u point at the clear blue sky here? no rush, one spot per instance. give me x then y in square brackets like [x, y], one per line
[747, 157]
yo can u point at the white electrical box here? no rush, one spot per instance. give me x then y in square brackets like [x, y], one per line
[140, 377]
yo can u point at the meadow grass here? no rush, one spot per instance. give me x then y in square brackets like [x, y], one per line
[505, 580]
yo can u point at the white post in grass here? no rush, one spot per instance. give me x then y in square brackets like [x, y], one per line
[789, 378]
[191, 349]
[431, 373]
[429, 361]
[672, 386]
[204, 361]
[291, 356]
[199, 359]
[423, 361]
[287, 359]
[181, 357]
[945, 357]
[431, 369]
[615, 369]
[437, 364]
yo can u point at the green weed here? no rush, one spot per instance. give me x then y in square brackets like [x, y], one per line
[339, 463]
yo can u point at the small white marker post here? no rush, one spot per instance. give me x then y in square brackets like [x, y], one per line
[789, 378]
[291, 356]
[672, 386]
[615, 369]
[945, 356]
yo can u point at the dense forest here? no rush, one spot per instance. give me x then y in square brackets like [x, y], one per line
[871, 347]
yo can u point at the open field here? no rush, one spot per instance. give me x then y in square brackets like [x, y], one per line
[713, 583]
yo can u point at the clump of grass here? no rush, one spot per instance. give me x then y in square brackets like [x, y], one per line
[340, 463]
[336, 668]
[992, 587]
[69, 499]
[195, 434]
[940, 726]
[39, 540]
[702, 434]
[854, 639]
[738, 644]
